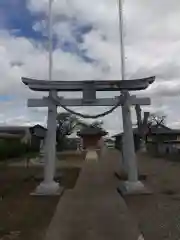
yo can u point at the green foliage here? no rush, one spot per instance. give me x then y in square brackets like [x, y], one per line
[67, 144]
[66, 124]
[97, 124]
[13, 148]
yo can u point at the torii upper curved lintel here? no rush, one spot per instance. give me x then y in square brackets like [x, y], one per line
[105, 85]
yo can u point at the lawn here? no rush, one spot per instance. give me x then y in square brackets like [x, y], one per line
[24, 216]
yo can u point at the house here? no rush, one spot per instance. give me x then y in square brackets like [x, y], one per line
[118, 140]
[160, 140]
[110, 143]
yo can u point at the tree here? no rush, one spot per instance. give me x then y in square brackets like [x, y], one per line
[149, 119]
[142, 123]
[156, 119]
[138, 116]
[97, 124]
[66, 124]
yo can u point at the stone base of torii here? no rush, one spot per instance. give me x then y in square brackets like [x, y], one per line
[49, 186]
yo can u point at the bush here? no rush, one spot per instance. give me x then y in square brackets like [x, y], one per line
[67, 144]
[11, 148]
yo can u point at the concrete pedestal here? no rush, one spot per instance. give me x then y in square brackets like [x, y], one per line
[45, 189]
[91, 155]
[133, 188]
[121, 175]
[143, 147]
[37, 161]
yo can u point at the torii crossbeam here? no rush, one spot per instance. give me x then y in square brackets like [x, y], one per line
[71, 86]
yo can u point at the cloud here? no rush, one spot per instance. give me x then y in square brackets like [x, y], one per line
[86, 46]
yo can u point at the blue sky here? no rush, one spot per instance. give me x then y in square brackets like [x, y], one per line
[17, 18]
[5, 98]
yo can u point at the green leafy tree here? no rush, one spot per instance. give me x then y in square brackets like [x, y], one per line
[66, 124]
[98, 124]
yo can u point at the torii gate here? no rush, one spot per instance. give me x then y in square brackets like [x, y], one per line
[89, 88]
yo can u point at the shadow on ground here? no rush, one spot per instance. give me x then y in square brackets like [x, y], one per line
[24, 216]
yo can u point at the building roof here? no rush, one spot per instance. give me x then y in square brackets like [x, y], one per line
[10, 136]
[91, 131]
[18, 131]
[135, 131]
[38, 131]
[73, 135]
[6, 128]
[172, 141]
[13, 129]
[160, 129]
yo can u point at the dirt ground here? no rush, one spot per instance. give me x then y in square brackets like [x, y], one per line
[21, 215]
[158, 214]
[70, 156]
[25, 217]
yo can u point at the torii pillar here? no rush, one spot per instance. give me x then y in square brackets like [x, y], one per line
[132, 185]
[49, 186]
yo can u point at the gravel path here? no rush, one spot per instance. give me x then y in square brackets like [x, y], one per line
[93, 209]
[158, 215]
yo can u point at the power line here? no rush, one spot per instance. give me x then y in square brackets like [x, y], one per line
[50, 45]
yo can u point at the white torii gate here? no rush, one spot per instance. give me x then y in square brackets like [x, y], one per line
[89, 88]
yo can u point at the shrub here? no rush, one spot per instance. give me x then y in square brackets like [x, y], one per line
[13, 148]
[67, 144]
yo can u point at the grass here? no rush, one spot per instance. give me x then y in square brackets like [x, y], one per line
[24, 216]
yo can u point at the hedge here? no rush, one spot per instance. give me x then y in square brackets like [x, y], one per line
[13, 148]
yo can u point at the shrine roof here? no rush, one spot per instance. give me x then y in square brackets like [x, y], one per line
[91, 131]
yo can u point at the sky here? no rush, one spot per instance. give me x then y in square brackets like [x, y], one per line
[86, 47]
